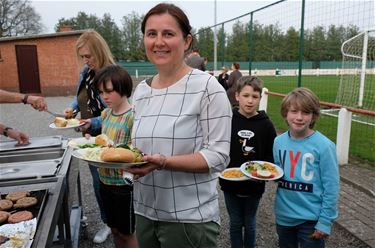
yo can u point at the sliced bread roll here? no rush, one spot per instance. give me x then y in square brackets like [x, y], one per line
[117, 155]
[102, 140]
[60, 122]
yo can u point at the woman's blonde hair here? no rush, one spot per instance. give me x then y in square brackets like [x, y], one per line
[303, 99]
[97, 46]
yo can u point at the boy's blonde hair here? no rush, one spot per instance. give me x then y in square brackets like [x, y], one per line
[98, 47]
[254, 82]
[303, 99]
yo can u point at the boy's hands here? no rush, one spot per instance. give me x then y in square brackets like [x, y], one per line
[319, 235]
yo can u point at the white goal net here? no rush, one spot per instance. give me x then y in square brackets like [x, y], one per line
[357, 84]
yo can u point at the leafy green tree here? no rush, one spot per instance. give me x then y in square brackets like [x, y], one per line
[106, 27]
[221, 44]
[205, 40]
[317, 46]
[290, 45]
[80, 22]
[238, 49]
[18, 17]
[335, 37]
[132, 37]
[112, 34]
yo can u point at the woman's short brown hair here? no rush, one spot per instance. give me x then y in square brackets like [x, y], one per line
[175, 12]
[303, 99]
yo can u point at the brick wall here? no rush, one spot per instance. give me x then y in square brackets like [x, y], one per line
[57, 62]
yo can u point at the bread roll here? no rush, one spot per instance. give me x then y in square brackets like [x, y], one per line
[102, 140]
[117, 155]
[60, 122]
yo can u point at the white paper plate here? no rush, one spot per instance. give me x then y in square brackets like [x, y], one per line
[80, 154]
[243, 178]
[53, 126]
[280, 171]
[76, 142]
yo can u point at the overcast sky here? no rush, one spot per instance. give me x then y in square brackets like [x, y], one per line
[200, 13]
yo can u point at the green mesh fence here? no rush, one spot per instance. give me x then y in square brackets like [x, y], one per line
[268, 42]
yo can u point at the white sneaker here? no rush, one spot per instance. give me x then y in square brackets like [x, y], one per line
[102, 235]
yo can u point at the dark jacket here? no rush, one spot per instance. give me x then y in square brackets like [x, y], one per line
[223, 80]
[262, 135]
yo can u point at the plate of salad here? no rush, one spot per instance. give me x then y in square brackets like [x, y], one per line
[262, 170]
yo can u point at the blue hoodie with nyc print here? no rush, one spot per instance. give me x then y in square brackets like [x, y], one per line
[309, 189]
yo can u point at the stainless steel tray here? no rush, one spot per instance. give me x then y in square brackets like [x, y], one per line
[31, 170]
[35, 142]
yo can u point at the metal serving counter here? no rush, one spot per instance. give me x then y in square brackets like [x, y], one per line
[46, 165]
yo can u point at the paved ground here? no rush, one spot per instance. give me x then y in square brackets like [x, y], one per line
[354, 228]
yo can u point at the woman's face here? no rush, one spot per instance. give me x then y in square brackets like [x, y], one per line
[164, 41]
[87, 58]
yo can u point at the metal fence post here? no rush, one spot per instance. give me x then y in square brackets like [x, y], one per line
[343, 135]
[264, 100]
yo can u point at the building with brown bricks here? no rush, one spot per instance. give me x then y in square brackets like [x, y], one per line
[40, 64]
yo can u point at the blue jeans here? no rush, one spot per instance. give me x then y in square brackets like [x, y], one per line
[292, 236]
[96, 184]
[242, 214]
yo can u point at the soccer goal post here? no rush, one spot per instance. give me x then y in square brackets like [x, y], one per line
[357, 64]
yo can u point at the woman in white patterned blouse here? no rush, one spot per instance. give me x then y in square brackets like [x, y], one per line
[182, 121]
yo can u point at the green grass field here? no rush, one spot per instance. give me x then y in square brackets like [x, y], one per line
[362, 139]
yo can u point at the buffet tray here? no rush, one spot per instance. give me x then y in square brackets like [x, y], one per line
[35, 142]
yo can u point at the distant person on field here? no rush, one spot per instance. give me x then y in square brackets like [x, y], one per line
[194, 60]
[307, 195]
[232, 80]
[223, 77]
[252, 139]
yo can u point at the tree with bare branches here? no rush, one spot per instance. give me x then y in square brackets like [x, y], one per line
[18, 17]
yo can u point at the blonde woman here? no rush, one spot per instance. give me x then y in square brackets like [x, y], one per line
[93, 51]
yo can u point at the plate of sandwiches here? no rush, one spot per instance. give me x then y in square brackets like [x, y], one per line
[108, 156]
[62, 123]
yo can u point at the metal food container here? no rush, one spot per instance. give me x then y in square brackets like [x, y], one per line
[45, 165]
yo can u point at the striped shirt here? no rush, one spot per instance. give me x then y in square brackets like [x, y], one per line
[118, 129]
[192, 115]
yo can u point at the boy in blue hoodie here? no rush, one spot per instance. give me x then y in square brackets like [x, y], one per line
[307, 195]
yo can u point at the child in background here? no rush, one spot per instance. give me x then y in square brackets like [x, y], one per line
[115, 86]
[307, 195]
[252, 139]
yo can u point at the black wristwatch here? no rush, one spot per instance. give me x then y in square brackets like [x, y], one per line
[5, 131]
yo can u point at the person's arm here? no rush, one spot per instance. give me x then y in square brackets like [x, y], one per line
[329, 173]
[37, 102]
[22, 138]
